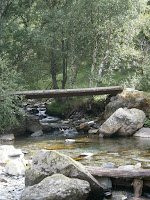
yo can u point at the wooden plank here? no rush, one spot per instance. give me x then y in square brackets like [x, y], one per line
[36, 94]
[118, 173]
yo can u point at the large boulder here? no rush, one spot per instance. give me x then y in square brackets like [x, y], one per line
[46, 163]
[129, 98]
[57, 187]
[123, 122]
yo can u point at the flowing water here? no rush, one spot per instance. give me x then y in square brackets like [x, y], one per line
[120, 151]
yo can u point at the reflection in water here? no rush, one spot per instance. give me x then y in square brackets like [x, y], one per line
[120, 151]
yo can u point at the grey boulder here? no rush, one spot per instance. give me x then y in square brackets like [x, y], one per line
[57, 187]
[123, 122]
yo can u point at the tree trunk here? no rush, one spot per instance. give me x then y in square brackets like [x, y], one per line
[53, 66]
[64, 65]
[93, 64]
[71, 72]
[100, 68]
[69, 92]
[101, 65]
[73, 68]
[1, 21]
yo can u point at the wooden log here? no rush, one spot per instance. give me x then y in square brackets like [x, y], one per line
[119, 173]
[138, 187]
[36, 94]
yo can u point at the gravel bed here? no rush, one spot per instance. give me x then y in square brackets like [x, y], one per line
[11, 187]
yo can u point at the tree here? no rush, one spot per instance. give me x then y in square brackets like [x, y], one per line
[53, 40]
[10, 111]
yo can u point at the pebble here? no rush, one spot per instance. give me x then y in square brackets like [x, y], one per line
[12, 187]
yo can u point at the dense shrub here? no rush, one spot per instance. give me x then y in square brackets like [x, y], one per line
[10, 112]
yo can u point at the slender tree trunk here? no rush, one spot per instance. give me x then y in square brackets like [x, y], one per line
[102, 64]
[53, 66]
[72, 64]
[93, 63]
[75, 75]
[73, 70]
[1, 20]
[64, 65]
[100, 68]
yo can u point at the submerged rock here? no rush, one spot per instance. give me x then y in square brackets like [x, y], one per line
[37, 133]
[86, 155]
[93, 131]
[57, 187]
[83, 127]
[108, 165]
[70, 140]
[124, 122]
[58, 147]
[46, 163]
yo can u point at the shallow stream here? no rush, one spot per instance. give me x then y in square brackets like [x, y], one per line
[120, 151]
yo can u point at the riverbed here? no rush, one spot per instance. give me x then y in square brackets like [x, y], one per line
[120, 151]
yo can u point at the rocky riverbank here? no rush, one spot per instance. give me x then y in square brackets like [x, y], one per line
[48, 163]
[11, 186]
[132, 115]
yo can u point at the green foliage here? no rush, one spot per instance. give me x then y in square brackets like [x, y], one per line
[83, 105]
[57, 109]
[147, 124]
[10, 112]
[64, 107]
[53, 42]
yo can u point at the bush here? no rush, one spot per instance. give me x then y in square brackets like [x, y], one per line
[59, 109]
[85, 105]
[10, 112]
[147, 124]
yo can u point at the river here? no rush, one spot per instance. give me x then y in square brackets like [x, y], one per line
[120, 151]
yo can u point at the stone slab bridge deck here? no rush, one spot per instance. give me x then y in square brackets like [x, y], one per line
[37, 94]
